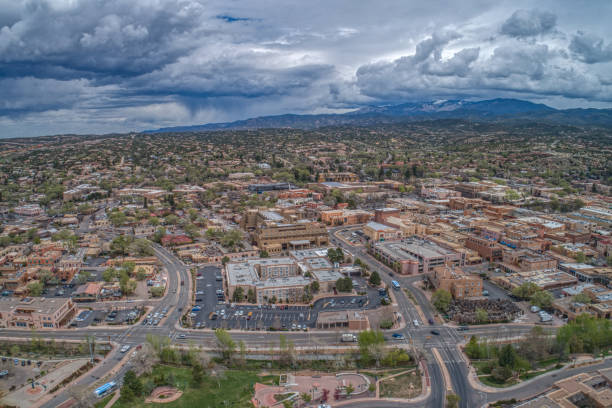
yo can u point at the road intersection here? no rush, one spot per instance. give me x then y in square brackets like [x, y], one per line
[178, 299]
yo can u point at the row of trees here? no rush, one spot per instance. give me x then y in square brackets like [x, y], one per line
[532, 292]
[372, 349]
[585, 334]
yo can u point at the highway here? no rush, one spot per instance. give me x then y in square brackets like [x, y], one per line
[177, 300]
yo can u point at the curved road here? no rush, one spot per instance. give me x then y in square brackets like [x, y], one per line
[177, 299]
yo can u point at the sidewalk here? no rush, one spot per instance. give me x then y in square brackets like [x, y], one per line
[476, 384]
[110, 403]
[27, 396]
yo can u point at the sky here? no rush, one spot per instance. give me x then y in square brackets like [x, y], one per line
[102, 66]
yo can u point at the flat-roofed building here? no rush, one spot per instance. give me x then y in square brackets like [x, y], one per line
[36, 313]
[456, 281]
[545, 279]
[592, 389]
[260, 188]
[279, 282]
[380, 232]
[526, 261]
[276, 238]
[343, 177]
[346, 320]
[28, 210]
[345, 217]
[411, 256]
[486, 248]
[381, 214]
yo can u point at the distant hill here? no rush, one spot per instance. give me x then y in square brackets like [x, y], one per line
[489, 110]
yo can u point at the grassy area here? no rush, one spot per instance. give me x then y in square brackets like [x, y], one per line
[483, 369]
[403, 386]
[232, 388]
[102, 403]
[385, 372]
[490, 381]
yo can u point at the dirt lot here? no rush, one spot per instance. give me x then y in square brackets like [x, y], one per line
[375, 316]
[18, 375]
[403, 386]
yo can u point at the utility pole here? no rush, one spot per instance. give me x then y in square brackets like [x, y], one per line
[90, 341]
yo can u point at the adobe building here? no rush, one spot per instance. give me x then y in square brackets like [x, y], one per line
[456, 282]
[36, 313]
[345, 320]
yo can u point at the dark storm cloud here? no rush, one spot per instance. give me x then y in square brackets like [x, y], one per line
[527, 23]
[117, 65]
[98, 38]
[590, 49]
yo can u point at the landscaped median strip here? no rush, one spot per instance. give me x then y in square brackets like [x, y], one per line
[447, 378]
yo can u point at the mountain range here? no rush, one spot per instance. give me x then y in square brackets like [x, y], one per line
[512, 110]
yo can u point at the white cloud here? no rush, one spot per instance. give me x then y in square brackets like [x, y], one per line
[122, 65]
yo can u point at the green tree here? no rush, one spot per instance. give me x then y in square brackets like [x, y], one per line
[452, 400]
[171, 219]
[191, 230]
[582, 298]
[109, 274]
[251, 298]
[542, 299]
[472, 348]
[507, 356]
[526, 290]
[375, 279]
[157, 291]
[197, 375]
[83, 276]
[238, 295]
[441, 299]
[35, 288]
[482, 316]
[580, 257]
[335, 255]
[512, 195]
[158, 235]
[368, 340]
[315, 286]
[349, 389]
[133, 383]
[344, 284]
[127, 285]
[501, 374]
[141, 274]
[225, 344]
[120, 245]
[142, 247]
[264, 254]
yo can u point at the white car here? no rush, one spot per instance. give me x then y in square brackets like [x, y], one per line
[125, 348]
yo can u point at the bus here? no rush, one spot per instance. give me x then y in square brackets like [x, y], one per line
[395, 284]
[105, 389]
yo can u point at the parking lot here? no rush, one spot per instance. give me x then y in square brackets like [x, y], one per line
[104, 317]
[353, 235]
[211, 312]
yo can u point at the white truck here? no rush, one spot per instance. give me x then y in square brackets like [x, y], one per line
[348, 338]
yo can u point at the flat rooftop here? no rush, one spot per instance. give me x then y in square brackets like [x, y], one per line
[37, 305]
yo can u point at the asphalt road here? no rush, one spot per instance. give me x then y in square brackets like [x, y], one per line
[178, 297]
